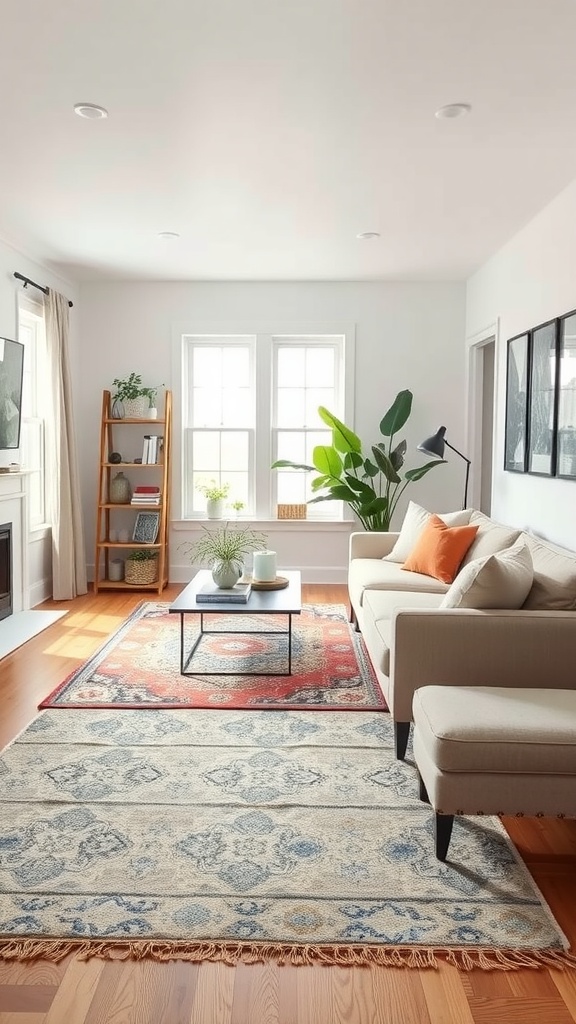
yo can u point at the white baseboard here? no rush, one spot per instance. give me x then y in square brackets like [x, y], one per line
[310, 574]
[39, 592]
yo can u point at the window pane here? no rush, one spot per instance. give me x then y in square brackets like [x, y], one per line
[207, 367]
[236, 407]
[235, 450]
[291, 367]
[206, 407]
[292, 445]
[236, 367]
[291, 406]
[291, 487]
[320, 367]
[314, 398]
[206, 450]
[314, 438]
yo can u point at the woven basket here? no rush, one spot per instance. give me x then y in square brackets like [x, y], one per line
[291, 511]
[141, 572]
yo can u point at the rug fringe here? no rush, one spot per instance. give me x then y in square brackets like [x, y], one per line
[233, 953]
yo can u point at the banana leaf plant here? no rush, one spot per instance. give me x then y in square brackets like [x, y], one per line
[371, 486]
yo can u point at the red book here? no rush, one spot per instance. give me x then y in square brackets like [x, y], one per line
[145, 489]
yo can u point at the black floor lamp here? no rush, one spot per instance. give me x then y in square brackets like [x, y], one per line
[435, 446]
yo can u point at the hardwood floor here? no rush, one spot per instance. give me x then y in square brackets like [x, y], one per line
[116, 992]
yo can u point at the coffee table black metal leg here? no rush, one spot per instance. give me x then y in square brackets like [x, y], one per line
[289, 643]
[185, 662]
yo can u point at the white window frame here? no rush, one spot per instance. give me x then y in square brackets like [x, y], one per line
[31, 315]
[266, 335]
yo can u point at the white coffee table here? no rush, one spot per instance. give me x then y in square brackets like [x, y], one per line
[287, 601]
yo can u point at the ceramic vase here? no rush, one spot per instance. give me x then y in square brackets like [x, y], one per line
[117, 410]
[136, 408]
[226, 574]
[120, 490]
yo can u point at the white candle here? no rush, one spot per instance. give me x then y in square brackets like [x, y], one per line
[264, 566]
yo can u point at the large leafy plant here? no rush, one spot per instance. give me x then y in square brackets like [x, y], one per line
[371, 486]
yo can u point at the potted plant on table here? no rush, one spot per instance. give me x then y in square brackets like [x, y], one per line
[131, 399]
[224, 549]
[373, 486]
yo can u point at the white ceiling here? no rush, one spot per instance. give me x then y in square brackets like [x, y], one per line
[268, 133]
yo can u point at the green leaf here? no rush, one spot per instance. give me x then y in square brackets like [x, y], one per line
[373, 507]
[364, 490]
[384, 465]
[352, 460]
[370, 469]
[286, 464]
[344, 439]
[320, 481]
[420, 471]
[397, 414]
[341, 493]
[327, 460]
[397, 455]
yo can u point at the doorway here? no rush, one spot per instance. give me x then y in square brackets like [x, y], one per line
[481, 396]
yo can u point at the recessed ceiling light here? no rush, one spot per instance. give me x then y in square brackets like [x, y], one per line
[168, 235]
[90, 110]
[453, 110]
[368, 234]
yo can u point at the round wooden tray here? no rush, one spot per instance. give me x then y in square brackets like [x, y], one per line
[278, 584]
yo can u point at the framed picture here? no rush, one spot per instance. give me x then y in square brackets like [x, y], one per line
[146, 527]
[566, 431]
[516, 405]
[543, 359]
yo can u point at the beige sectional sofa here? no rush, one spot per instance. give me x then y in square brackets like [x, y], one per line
[413, 641]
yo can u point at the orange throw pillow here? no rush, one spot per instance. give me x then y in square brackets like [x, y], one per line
[440, 549]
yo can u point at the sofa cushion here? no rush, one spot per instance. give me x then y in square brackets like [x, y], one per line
[440, 549]
[380, 606]
[415, 520]
[497, 729]
[491, 537]
[376, 574]
[501, 580]
[554, 585]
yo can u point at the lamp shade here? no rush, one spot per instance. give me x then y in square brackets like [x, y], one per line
[434, 445]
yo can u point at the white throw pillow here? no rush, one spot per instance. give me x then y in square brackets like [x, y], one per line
[500, 580]
[415, 520]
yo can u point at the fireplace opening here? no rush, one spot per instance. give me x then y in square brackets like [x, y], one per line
[5, 570]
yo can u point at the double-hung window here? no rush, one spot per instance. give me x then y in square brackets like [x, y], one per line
[31, 333]
[250, 399]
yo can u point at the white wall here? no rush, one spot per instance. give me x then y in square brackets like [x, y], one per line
[38, 584]
[407, 336]
[530, 280]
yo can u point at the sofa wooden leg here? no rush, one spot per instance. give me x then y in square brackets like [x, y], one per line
[422, 791]
[442, 832]
[401, 734]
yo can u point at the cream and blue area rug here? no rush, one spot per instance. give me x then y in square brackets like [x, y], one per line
[247, 836]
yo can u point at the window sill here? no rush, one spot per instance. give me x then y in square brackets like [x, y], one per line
[272, 525]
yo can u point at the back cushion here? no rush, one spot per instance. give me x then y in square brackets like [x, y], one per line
[491, 537]
[502, 580]
[415, 520]
[554, 585]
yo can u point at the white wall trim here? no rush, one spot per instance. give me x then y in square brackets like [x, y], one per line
[474, 345]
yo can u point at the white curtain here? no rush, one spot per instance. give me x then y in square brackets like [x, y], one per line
[68, 554]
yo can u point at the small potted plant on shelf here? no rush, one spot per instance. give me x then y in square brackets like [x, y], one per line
[224, 550]
[131, 399]
[215, 495]
[237, 506]
[141, 566]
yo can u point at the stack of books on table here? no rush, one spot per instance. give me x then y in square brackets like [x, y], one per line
[209, 593]
[146, 495]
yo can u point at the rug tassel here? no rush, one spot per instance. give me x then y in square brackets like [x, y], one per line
[417, 957]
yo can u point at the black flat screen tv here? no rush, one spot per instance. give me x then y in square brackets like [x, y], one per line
[11, 374]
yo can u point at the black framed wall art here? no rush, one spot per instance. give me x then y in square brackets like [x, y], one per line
[542, 372]
[566, 434]
[516, 404]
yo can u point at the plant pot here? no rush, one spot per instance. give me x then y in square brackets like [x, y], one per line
[136, 408]
[117, 410]
[215, 508]
[226, 574]
[141, 571]
[152, 413]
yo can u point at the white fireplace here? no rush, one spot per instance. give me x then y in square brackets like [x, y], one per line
[14, 511]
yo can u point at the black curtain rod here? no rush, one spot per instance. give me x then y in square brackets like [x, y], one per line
[28, 280]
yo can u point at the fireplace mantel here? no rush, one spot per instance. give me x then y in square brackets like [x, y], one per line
[14, 510]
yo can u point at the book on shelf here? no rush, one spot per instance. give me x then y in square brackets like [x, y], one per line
[152, 448]
[146, 489]
[209, 593]
[150, 500]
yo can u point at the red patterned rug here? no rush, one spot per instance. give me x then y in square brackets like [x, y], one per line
[139, 666]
